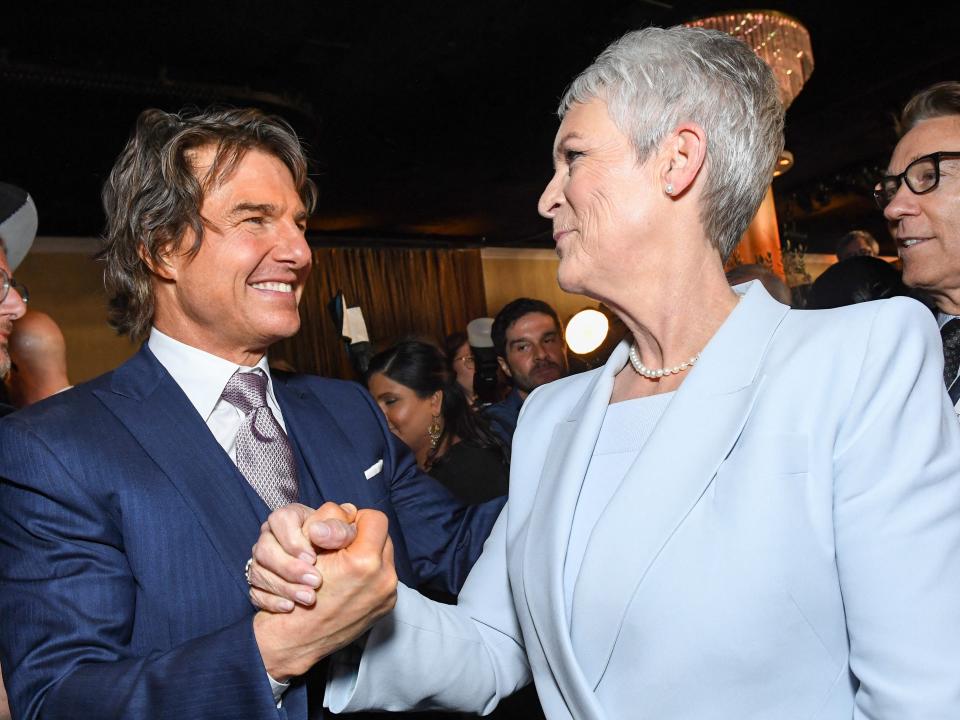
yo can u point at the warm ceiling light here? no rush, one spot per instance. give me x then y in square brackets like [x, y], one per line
[586, 331]
[784, 163]
[780, 40]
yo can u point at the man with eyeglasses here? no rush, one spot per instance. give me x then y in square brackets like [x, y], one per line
[18, 226]
[920, 198]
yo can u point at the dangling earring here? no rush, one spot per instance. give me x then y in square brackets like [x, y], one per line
[434, 430]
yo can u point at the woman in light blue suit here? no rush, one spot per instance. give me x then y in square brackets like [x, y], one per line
[750, 512]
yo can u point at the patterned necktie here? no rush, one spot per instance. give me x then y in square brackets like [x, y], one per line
[950, 334]
[263, 451]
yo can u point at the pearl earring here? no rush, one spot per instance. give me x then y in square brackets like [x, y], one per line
[669, 189]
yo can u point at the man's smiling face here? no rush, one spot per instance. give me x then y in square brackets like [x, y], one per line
[239, 293]
[926, 227]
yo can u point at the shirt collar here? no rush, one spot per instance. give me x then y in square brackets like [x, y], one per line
[199, 374]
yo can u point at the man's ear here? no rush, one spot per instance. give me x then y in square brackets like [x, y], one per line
[165, 266]
[504, 367]
[685, 151]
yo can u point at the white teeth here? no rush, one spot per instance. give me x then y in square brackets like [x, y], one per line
[275, 286]
[909, 242]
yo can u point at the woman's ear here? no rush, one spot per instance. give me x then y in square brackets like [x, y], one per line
[686, 151]
[436, 402]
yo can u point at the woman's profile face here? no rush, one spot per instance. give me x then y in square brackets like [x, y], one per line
[408, 416]
[599, 199]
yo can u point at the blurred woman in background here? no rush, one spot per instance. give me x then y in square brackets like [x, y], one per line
[427, 409]
[462, 363]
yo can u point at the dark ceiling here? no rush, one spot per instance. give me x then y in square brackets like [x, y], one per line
[426, 121]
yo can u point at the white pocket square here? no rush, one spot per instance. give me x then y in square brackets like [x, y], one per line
[373, 469]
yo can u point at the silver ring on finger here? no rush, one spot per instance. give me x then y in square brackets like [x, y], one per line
[246, 572]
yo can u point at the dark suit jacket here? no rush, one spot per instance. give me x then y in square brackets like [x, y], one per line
[503, 416]
[124, 529]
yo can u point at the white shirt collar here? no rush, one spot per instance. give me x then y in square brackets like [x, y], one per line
[199, 374]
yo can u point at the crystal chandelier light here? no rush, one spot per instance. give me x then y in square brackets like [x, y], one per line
[780, 40]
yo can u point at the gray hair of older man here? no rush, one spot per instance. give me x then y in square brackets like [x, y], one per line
[941, 99]
[654, 79]
[153, 194]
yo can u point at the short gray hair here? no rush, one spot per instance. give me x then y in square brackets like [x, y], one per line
[153, 194]
[654, 79]
[941, 99]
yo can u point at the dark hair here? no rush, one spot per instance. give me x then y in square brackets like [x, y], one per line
[852, 237]
[153, 194]
[513, 311]
[423, 368]
[939, 100]
[855, 280]
[452, 343]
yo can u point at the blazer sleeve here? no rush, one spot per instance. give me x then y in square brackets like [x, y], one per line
[443, 536]
[429, 656]
[897, 523]
[68, 604]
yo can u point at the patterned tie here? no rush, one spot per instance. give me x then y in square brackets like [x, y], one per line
[263, 451]
[950, 334]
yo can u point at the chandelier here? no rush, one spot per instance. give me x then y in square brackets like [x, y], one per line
[778, 39]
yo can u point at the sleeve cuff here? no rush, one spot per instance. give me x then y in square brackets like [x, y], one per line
[278, 689]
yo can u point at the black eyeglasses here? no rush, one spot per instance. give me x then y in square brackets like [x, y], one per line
[7, 283]
[921, 176]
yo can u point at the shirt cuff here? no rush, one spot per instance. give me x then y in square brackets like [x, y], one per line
[278, 689]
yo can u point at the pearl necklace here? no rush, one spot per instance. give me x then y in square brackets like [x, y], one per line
[662, 372]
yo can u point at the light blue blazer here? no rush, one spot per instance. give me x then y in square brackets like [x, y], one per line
[786, 545]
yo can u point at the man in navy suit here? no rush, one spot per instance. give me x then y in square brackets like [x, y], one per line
[528, 339]
[128, 505]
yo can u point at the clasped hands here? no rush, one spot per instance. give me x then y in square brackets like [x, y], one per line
[321, 578]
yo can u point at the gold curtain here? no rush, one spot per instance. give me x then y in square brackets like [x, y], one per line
[427, 292]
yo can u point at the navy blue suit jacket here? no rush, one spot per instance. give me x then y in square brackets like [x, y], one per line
[503, 415]
[124, 529]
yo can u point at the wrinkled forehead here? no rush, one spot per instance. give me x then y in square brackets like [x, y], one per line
[939, 134]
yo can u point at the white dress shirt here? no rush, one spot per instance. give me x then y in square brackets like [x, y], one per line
[202, 377]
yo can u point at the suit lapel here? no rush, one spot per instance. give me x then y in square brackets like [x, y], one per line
[329, 462]
[673, 470]
[153, 408]
[545, 551]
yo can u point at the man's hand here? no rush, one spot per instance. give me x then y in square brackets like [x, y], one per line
[359, 587]
[283, 570]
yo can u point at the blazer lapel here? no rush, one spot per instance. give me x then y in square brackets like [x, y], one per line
[153, 408]
[673, 470]
[545, 550]
[326, 452]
